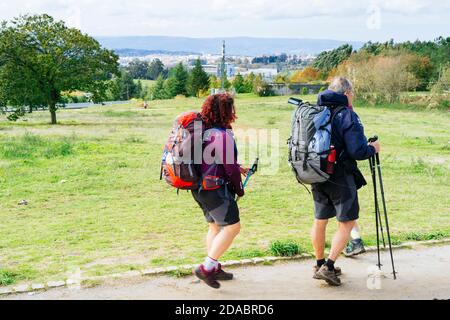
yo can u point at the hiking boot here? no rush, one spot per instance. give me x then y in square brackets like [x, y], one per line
[329, 276]
[354, 248]
[207, 276]
[316, 268]
[222, 275]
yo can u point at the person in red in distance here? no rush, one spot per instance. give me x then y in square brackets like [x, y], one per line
[221, 183]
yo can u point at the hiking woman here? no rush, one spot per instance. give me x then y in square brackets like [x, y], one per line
[221, 183]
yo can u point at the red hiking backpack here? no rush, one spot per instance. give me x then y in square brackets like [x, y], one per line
[178, 166]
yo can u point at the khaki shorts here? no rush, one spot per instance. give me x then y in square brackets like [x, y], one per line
[219, 206]
[336, 198]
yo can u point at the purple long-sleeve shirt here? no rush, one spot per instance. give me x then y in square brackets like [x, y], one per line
[220, 157]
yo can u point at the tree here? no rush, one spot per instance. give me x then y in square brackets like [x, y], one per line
[282, 79]
[178, 81]
[155, 69]
[306, 75]
[248, 82]
[442, 85]
[158, 91]
[139, 90]
[262, 88]
[435, 54]
[328, 60]
[138, 69]
[239, 84]
[198, 79]
[258, 84]
[125, 88]
[214, 82]
[40, 58]
[226, 83]
[379, 78]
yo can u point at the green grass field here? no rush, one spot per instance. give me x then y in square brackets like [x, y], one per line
[95, 201]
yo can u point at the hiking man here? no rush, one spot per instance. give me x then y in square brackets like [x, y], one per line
[338, 197]
[221, 182]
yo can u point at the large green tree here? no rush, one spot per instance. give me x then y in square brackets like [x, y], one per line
[177, 83]
[238, 83]
[40, 58]
[138, 69]
[328, 60]
[248, 82]
[198, 79]
[125, 88]
[158, 91]
[155, 69]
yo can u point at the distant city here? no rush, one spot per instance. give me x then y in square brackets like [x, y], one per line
[264, 56]
[266, 66]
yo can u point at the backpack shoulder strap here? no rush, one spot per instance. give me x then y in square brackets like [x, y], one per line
[335, 111]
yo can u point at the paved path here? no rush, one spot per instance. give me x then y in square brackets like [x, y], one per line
[423, 273]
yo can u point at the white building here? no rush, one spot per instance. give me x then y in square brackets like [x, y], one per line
[267, 74]
[214, 69]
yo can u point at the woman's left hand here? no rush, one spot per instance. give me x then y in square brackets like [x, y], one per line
[244, 171]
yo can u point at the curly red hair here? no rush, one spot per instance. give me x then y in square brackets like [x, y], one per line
[218, 111]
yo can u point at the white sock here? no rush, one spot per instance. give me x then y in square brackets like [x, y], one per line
[355, 233]
[210, 264]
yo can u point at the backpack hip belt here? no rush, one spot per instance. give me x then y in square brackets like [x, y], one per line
[210, 183]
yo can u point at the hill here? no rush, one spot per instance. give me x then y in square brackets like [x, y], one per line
[235, 46]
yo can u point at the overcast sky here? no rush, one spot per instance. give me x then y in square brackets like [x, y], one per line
[361, 20]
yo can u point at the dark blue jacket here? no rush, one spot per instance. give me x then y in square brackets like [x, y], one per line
[347, 130]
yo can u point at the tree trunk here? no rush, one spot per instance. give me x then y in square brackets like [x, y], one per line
[30, 110]
[52, 108]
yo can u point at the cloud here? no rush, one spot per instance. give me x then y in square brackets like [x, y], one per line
[287, 18]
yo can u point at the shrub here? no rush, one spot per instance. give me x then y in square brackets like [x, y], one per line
[305, 91]
[262, 88]
[306, 75]
[442, 85]
[418, 236]
[265, 90]
[440, 90]
[379, 79]
[286, 248]
[7, 277]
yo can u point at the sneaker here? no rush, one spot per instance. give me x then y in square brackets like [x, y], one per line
[316, 268]
[354, 248]
[329, 276]
[207, 276]
[222, 275]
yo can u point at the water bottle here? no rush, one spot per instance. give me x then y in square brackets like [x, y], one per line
[331, 160]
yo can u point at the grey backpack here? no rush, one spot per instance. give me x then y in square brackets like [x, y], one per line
[311, 154]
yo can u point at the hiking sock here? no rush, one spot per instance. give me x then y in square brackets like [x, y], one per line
[355, 235]
[330, 264]
[320, 262]
[210, 264]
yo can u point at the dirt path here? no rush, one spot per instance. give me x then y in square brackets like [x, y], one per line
[423, 274]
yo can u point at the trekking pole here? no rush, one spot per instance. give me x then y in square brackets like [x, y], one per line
[251, 172]
[374, 182]
[377, 207]
[377, 156]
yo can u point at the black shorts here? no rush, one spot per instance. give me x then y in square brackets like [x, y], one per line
[336, 198]
[219, 206]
